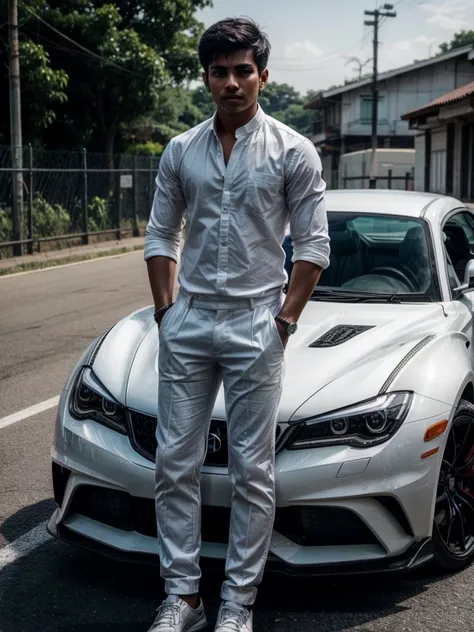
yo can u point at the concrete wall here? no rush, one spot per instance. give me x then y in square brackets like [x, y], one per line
[439, 139]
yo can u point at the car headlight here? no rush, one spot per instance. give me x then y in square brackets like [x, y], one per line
[363, 425]
[90, 400]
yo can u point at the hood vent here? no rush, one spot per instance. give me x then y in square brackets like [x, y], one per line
[340, 334]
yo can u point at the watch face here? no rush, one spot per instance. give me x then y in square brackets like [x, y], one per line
[292, 327]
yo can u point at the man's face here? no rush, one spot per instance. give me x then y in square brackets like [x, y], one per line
[234, 81]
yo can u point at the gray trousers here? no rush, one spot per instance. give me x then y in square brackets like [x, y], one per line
[204, 343]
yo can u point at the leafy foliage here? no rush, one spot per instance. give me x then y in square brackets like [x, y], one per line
[98, 215]
[49, 219]
[110, 75]
[461, 39]
[277, 97]
[103, 64]
[53, 219]
[42, 87]
[146, 149]
[5, 224]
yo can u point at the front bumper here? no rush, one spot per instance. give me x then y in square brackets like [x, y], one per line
[384, 494]
[417, 555]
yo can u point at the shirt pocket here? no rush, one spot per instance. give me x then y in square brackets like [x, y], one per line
[264, 191]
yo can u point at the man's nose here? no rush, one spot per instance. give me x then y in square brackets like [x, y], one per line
[231, 83]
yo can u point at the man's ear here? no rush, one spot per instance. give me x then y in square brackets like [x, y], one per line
[263, 79]
[206, 81]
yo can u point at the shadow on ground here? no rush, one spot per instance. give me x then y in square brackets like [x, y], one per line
[58, 588]
[26, 519]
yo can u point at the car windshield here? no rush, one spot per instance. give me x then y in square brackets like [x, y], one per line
[381, 256]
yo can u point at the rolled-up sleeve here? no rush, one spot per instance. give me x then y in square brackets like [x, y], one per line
[305, 197]
[165, 226]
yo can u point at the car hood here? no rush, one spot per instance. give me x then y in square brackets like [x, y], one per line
[344, 352]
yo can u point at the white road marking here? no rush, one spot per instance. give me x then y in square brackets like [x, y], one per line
[26, 543]
[68, 265]
[29, 412]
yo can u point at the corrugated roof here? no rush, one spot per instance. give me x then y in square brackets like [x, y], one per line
[447, 99]
[384, 76]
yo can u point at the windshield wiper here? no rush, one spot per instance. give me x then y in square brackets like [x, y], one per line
[354, 297]
[366, 297]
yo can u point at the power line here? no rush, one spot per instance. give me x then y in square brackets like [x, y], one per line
[412, 5]
[301, 63]
[80, 46]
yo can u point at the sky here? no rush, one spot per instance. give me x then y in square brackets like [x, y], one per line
[313, 41]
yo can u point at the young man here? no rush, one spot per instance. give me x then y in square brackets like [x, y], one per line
[239, 178]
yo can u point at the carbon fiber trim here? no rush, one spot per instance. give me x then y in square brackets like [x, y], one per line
[404, 362]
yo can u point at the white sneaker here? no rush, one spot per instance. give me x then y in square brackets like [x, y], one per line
[233, 617]
[174, 615]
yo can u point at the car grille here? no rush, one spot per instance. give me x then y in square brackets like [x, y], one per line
[143, 437]
[306, 526]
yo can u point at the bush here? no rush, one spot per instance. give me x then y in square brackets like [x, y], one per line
[49, 220]
[5, 224]
[146, 149]
[98, 215]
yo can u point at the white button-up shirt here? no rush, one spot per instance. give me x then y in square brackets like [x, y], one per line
[237, 215]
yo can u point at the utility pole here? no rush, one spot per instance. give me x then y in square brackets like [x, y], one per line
[385, 12]
[16, 142]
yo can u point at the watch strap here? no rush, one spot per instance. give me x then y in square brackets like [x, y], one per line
[162, 310]
[285, 323]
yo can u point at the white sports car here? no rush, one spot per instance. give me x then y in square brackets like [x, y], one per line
[375, 449]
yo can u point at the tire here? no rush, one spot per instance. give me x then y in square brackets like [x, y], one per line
[453, 525]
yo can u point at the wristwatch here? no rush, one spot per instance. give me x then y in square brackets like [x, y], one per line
[160, 312]
[290, 328]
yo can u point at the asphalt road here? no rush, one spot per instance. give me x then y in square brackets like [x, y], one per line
[46, 320]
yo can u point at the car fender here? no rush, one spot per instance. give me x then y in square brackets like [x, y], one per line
[441, 369]
[113, 362]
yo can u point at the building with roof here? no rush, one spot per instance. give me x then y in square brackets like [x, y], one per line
[343, 114]
[444, 143]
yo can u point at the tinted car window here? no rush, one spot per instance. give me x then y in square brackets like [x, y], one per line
[379, 254]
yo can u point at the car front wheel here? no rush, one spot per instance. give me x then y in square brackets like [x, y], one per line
[453, 529]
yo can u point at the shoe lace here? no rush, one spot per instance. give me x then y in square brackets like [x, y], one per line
[233, 620]
[168, 615]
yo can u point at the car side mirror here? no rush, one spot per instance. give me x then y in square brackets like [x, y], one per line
[469, 274]
[468, 278]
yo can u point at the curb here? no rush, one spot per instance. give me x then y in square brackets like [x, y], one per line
[19, 267]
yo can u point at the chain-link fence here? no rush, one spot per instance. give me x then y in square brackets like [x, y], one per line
[69, 197]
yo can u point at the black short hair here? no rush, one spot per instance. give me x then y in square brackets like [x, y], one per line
[230, 35]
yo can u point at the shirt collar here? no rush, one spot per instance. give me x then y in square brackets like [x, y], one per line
[250, 127]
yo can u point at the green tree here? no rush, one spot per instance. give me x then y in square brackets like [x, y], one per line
[202, 99]
[128, 52]
[175, 112]
[278, 97]
[299, 119]
[42, 88]
[461, 39]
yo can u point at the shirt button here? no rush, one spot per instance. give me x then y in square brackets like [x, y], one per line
[225, 210]
[224, 243]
